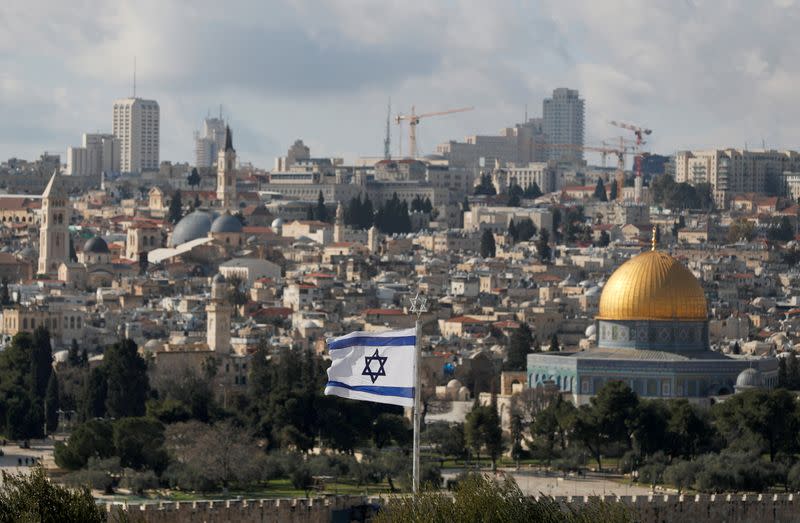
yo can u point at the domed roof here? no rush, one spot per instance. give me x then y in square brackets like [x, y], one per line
[226, 223]
[454, 384]
[218, 278]
[749, 379]
[96, 245]
[277, 222]
[653, 286]
[192, 226]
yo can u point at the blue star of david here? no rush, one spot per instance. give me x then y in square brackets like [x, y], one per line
[373, 375]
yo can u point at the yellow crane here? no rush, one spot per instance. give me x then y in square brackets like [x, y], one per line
[413, 120]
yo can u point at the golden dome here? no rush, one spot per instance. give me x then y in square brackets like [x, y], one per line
[653, 286]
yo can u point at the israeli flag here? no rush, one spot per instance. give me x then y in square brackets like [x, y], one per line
[373, 366]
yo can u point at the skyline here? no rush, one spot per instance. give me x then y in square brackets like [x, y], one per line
[693, 72]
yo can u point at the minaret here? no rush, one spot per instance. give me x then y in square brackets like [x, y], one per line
[218, 326]
[226, 175]
[54, 230]
[338, 228]
[372, 239]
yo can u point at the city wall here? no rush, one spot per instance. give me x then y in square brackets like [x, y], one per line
[720, 508]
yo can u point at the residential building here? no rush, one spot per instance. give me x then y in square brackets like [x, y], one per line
[563, 124]
[136, 125]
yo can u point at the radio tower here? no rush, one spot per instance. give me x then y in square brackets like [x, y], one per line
[387, 152]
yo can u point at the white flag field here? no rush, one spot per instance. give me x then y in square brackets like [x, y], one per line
[373, 366]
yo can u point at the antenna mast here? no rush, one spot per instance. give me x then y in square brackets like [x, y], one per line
[134, 77]
[387, 153]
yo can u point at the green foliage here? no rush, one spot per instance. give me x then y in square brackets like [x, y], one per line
[175, 212]
[488, 247]
[391, 429]
[359, 214]
[92, 402]
[667, 193]
[781, 230]
[479, 498]
[518, 348]
[139, 443]
[127, 382]
[24, 373]
[485, 186]
[741, 229]
[51, 404]
[600, 191]
[31, 497]
[194, 178]
[392, 216]
[767, 418]
[482, 432]
[515, 194]
[446, 438]
[321, 210]
[543, 245]
[94, 438]
[533, 191]
[523, 231]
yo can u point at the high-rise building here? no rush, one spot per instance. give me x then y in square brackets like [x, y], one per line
[100, 153]
[54, 232]
[136, 126]
[208, 145]
[563, 123]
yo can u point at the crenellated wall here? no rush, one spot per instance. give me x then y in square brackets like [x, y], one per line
[720, 508]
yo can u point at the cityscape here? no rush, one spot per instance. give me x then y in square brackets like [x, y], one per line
[436, 310]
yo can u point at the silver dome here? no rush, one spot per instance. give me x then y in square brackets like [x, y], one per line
[226, 223]
[749, 379]
[192, 226]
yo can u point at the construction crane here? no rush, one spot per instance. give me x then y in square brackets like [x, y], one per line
[413, 120]
[617, 142]
[639, 132]
[620, 152]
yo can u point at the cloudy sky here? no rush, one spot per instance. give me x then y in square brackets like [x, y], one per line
[700, 73]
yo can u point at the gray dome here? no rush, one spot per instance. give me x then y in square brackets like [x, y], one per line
[96, 245]
[192, 226]
[749, 379]
[277, 222]
[218, 278]
[226, 223]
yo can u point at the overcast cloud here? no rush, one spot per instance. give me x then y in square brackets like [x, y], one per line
[700, 73]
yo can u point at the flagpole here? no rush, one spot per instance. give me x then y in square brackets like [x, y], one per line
[419, 305]
[417, 408]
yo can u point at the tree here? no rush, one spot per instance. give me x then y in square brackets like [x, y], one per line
[488, 248]
[465, 204]
[782, 230]
[41, 362]
[512, 230]
[74, 354]
[525, 230]
[533, 191]
[761, 417]
[482, 431]
[479, 497]
[194, 178]
[613, 191]
[604, 240]
[94, 438]
[139, 443]
[31, 496]
[391, 428]
[175, 212]
[741, 229]
[518, 348]
[92, 402]
[515, 193]
[5, 295]
[543, 245]
[51, 404]
[485, 186]
[600, 191]
[321, 212]
[126, 376]
[554, 346]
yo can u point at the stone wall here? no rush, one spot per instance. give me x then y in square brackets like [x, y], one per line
[724, 508]
[312, 510]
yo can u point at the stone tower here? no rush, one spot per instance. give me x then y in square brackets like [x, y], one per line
[54, 231]
[338, 228]
[226, 174]
[218, 331]
[372, 240]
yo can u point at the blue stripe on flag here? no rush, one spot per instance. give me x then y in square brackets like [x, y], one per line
[401, 392]
[372, 341]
